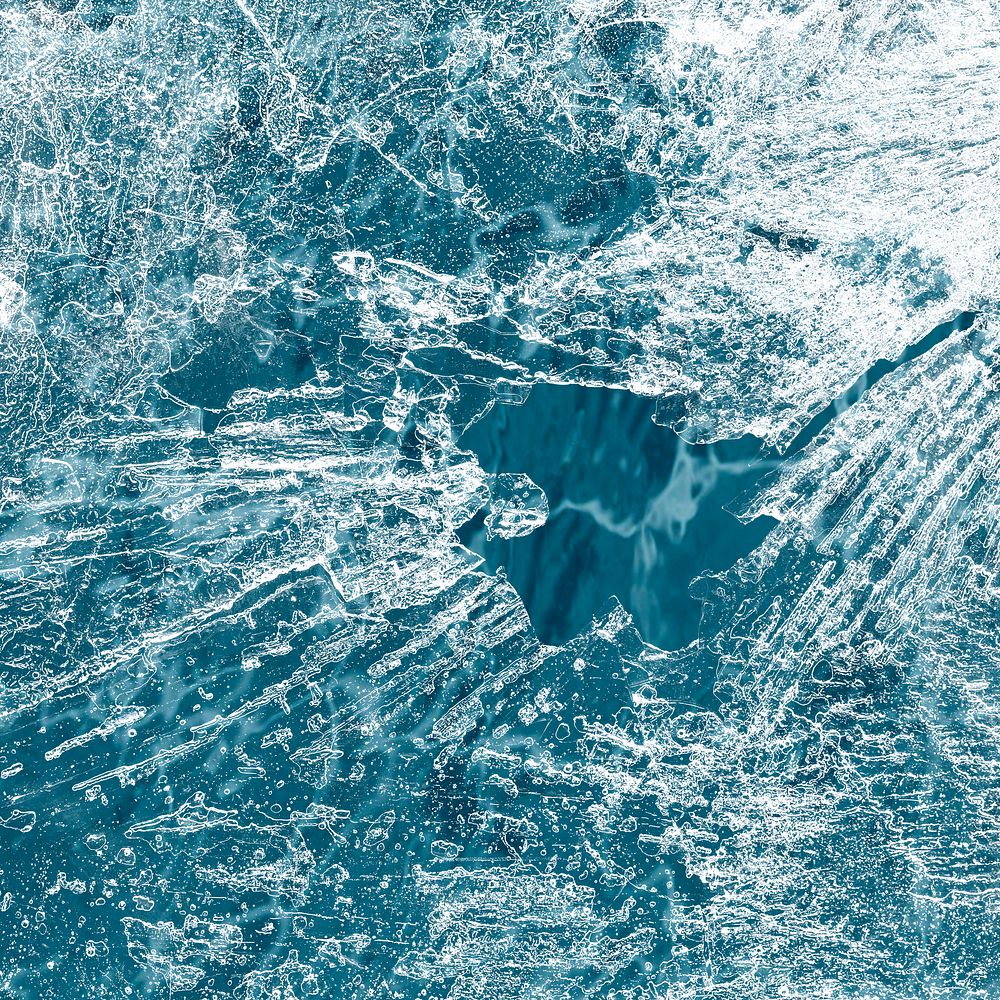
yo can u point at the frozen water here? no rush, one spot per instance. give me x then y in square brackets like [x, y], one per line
[269, 270]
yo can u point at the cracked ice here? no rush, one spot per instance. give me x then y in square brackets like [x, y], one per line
[269, 728]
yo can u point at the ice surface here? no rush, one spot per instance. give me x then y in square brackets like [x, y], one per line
[269, 729]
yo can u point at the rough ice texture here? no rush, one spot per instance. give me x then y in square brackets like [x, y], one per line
[269, 730]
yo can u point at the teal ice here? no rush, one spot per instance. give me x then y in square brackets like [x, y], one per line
[499, 499]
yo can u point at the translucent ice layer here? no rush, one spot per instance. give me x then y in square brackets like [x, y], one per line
[269, 730]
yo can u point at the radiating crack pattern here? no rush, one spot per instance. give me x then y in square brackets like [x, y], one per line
[269, 729]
